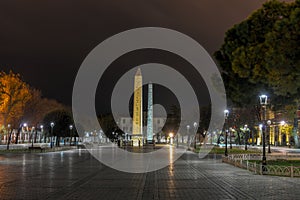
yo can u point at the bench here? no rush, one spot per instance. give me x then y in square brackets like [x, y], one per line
[35, 148]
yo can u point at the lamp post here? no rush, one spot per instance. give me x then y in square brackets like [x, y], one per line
[226, 113]
[71, 128]
[269, 133]
[42, 132]
[25, 132]
[188, 133]
[32, 131]
[230, 142]
[195, 136]
[246, 136]
[52, 125]
[263, 102]
[9, 135]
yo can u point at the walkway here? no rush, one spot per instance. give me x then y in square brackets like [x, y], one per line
[77, 175]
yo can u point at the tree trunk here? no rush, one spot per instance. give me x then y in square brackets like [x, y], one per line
[239, 137]
[17, 136]
[35, 135]
[9, 139]
[57, 141]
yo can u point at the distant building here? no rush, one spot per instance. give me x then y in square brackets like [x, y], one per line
[125, 124]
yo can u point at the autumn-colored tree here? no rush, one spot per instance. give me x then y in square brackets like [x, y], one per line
[38, 107]
[14, 94]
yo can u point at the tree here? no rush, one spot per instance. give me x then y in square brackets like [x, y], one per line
[262, 54]
[242, 57]
[14, 94]
[62, 120]
[283, 60]
[38, 107]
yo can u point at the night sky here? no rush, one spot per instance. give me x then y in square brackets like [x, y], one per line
[46, 40]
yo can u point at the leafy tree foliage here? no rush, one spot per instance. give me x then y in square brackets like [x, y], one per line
[260, 54]
[20, 103]
[14, 94]
[38, 107]
[62, 120]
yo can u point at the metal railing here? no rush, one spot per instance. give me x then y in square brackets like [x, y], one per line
[243, 161]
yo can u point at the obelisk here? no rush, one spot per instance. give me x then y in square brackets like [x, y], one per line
[137, 121]
[150, 114]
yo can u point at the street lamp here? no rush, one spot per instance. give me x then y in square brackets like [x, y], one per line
[246, 136]
[9, 135]
[269, 133]
[195, 136]
[113, 133]
[226, 114]
[263, 103]
[25, 132]
[32, 130]
[188, 133]
[8, 129]
[42, 132]
[230, 142]
[71, 128]
[52, 125]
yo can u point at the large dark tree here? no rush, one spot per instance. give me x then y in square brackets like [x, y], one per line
[62, 120]
[243, 58]
[261, 55]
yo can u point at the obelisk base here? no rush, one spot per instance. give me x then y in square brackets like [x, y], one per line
[137, 140]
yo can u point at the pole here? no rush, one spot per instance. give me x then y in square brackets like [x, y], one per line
[9, 135]
[246, 140]
[188, 139]
[226, 112]
[230, 139]
[31, 138]
[226, 151]
[252, 135]
[51, 145]
[264, 160]
[269, 145]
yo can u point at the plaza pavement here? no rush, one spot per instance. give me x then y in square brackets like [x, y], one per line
[76, 174]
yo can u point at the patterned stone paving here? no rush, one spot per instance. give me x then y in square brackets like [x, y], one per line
[77, 175]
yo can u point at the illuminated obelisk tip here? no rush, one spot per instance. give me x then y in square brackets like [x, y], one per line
[137, 126]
